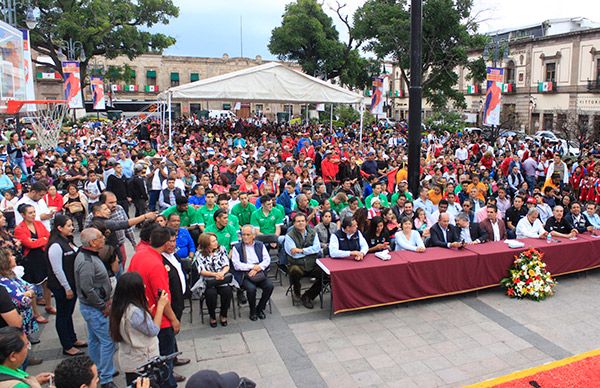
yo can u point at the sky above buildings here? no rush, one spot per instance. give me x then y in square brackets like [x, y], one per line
[209, 28]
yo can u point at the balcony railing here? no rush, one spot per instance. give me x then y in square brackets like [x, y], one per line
[547, 86]
[594, 85]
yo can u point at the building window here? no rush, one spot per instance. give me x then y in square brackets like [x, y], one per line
[195, 109]
[550, 72]
[194, 77]
[174, 79]
[151, 77]
[258, 108]
[288, 108]
[510, 73]
[548, 121]
[598, 69]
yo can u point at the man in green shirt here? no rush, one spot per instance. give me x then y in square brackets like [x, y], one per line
[267, 220]
[243, 210]
[206, 212]
[223, 203]
[377, 192]
[13, 352]
[226, 234]
[187, 213]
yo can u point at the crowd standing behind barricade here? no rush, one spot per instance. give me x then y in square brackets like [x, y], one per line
[229, 201]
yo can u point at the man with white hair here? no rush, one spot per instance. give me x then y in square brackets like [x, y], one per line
[530, 226]
[94, 292]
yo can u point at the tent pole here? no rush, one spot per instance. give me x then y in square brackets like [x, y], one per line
[362, 108]
[331, 118]
[307, 122]
[170, 107]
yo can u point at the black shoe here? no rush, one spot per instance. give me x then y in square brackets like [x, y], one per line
[179, 378]
[261, 315]
[307, 302]
[253, 317]
[223, 323]
[35, 361]
[213, 324]
[242, 297]
[295, 299]
[181, 361]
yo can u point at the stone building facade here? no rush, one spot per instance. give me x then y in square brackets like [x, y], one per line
[153, 73]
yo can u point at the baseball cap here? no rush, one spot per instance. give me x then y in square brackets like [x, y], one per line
[212, 378]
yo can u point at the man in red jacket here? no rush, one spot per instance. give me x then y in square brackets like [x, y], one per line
[149, 264]
[329, 169]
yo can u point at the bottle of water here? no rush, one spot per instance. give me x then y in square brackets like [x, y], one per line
[548, 238]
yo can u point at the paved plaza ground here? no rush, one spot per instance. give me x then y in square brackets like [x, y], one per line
[444, 342]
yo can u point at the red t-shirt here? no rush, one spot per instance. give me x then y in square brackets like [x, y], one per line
[149, 264]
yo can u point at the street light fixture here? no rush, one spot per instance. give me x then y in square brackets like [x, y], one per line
[31, 18]
[9, 13]
[74, 50]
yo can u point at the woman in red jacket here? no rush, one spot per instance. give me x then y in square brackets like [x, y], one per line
[34, 237]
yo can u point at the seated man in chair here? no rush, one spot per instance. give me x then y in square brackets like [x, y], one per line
[302, 248]
[251, 260]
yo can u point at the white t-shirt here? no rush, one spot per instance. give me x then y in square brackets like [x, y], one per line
[40, 208]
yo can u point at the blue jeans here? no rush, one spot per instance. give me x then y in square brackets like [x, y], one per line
[100, 345]
[154, 196]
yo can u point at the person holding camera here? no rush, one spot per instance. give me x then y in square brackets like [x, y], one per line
[132, 326]
[93, 291]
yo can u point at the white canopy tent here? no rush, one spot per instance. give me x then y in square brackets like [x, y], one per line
[267, 83]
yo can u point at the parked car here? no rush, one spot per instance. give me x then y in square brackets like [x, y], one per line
[473, 130]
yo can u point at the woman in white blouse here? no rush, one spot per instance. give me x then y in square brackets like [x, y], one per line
[409, 239]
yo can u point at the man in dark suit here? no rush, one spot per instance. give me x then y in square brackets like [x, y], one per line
[469, 232]
[493, 225]
[443, 234]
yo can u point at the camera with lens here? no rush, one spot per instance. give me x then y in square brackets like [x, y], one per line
[157, 370]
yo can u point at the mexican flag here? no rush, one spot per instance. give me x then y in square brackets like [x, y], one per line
[42, 75]
[116, 88]
[545, 86]
[151, 88]
[507, 88]
[131, 88]
[472, 89]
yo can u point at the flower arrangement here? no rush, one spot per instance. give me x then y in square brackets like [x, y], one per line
[528, 277]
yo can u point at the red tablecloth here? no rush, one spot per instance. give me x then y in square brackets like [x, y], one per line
[437, 272]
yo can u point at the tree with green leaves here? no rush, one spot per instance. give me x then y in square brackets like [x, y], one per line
[449, 32]
[307, 35]
[107, 28]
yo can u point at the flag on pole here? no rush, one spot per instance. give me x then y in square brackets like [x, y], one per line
[493, 96]
[72, 84]
[377, 98]
[98, 100]
[28, 70]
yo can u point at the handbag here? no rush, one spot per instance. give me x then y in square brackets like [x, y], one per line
[259, 277]
[213, 282]
[75, 207]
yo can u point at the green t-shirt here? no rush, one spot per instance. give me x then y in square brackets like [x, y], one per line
[205, 215]
[226, 236]
[243, 213]
[17, 373]
[233, 221]
[188, 217]
[395, 196]
[267, 223]
[312, 203]
[382, 199]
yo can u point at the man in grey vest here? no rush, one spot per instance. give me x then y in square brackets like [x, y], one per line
[251, 260]
[302, 248]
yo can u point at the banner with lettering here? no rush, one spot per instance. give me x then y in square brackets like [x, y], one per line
[28, 70]
[377, 96]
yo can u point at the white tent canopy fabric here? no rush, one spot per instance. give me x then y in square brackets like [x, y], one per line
[270, 82]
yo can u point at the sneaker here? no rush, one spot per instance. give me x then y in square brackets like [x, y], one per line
[307, 302]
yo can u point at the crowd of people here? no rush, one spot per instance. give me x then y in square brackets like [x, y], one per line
[229, 203]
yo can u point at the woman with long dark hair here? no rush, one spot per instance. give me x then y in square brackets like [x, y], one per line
[132, 325]
[61, 253]
[377, 235]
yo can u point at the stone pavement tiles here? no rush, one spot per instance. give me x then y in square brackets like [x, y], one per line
[445, 342]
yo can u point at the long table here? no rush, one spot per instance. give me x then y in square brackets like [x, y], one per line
[410, 276]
